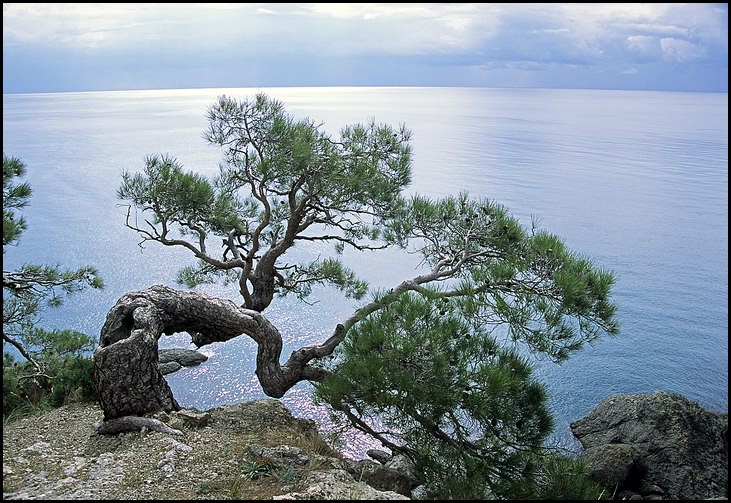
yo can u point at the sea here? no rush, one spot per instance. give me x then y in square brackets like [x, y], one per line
[635, 180]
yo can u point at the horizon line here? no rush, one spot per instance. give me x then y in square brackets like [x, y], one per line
[360, 87]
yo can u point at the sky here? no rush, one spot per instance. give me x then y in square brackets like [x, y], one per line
[95, 47]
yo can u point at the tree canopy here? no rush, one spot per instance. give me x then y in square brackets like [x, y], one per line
[282, 180]
[435, 367]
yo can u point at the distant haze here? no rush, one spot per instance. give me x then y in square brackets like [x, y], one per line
[83, 47]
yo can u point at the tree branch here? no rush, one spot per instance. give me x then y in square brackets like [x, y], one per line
[23, 352]
[341, 239]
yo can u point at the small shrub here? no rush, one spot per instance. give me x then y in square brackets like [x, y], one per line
[561, 478]
[286, 475]
[72, 381]
[257, 469]
[24, 392]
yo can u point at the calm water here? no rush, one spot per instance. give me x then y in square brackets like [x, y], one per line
[636, 180]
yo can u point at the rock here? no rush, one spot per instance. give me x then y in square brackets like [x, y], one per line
[626, 494]
[169, 367]
[184, 357]
[614, 465]
[683, 447]
[381, 456]
[265, 413]
[194, 418]
[20, 495]
[161, 416]
[38, 447]
[74, 468]
[280, 456]
[337, 485]
[380, 477]
[179, 446]
[396, 474]
[134, 423]
[169, 461]
[403, 465]
[327, 462]
[647, 489]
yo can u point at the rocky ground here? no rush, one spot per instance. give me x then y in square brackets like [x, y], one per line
[651, 446]
[255, 450]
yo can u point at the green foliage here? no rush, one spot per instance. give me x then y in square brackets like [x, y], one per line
[203, 273]
[287, 475]
[465, 408]
[547, 297]
[27, 291]
[49, 343]
[66, 378]
[367, 166]
[15, 196]
[332, 271]
[505, 292]
[254, 470]
[556, 477]
[187, 199]
[64, 371]
[13, 398]
[34, 283]
[72, 379]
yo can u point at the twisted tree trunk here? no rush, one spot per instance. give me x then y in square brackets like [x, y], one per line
[126, 374]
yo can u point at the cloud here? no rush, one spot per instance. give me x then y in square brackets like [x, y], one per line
[643, 48]
[630, 71]
[682, 50]
[105, 25]
[517, 37]
[654, 29]
[571, 31]
[368, 11]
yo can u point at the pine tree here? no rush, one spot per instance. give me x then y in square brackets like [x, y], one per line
[436, 367]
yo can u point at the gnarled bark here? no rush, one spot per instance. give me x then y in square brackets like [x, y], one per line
[126, 373]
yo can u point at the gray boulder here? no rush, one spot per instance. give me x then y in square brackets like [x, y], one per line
[403, 465]
[185, 357]
[337, 485]
[381, 456]
[193, 418]
[381, 477]
[169, 367]
[677, 447]
[615, 465]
